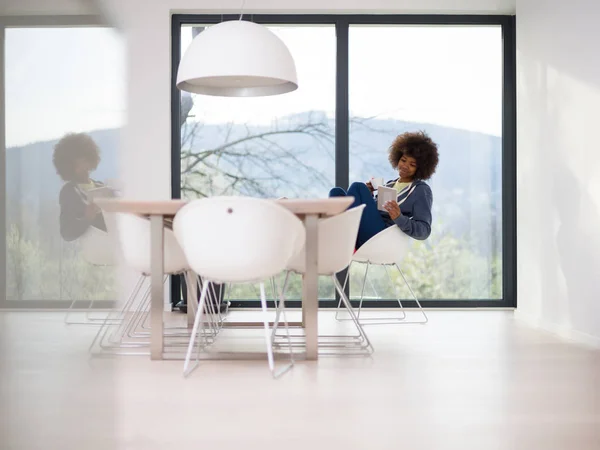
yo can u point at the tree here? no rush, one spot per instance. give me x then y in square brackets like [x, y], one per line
[254, 162]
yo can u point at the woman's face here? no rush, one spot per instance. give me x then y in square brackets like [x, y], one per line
[407, 167]
[82, 170]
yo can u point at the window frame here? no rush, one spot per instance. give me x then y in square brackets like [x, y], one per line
[342, 23]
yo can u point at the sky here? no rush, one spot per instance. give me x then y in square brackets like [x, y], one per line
[60, 80]
[443, 75]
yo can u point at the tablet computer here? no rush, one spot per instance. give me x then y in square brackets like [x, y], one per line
[385, 194]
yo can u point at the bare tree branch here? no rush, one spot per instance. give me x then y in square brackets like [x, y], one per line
[256, 162]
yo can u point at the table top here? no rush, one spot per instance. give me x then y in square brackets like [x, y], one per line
[321, 206]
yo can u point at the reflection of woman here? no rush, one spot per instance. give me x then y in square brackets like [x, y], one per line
[76, 155]
[415, 156]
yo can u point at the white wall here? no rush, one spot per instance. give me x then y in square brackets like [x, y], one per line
[324, 6]
[45, 7]
[559, 166]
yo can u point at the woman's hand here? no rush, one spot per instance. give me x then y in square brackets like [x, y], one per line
[393, 209]
[370, 186]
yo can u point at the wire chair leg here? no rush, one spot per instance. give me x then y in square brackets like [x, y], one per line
[354, 318]
[362, 295]
[426, 319]
[197, 322]
[274, 291]
[398, 298]
[268, 335]
[339, 306]
[362, 292]
[121, 314]
[279, 306]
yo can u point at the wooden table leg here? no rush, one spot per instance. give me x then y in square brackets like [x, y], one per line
[192, 297]
[310, 292]
[157, 287]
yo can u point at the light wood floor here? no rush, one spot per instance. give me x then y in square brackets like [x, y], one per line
[467, 380]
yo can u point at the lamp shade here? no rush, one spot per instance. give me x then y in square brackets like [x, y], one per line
[237, 59]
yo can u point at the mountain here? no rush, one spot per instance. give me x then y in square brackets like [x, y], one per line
[467, 185]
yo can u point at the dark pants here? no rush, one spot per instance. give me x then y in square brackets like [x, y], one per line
[371, 221]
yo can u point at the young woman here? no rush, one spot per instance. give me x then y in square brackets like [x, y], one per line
[76, 155]
[415, 156]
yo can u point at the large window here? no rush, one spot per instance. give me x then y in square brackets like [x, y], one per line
[58, 80]
[364, 80]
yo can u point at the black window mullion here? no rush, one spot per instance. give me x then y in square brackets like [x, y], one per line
[342, 119]
[342, 107]
[509, 164]
[176, 280]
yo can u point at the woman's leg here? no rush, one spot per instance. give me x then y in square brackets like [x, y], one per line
[371, 222]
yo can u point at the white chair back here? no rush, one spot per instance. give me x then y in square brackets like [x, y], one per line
[237, 239]
[99, 248]
[389, 246]
[337, 238]
[134, 237]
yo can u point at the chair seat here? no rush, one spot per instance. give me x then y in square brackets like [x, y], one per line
[389, 246]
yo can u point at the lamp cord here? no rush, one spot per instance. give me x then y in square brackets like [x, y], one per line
[242, 10]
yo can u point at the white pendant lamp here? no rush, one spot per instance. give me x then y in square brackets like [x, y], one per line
[237, 59]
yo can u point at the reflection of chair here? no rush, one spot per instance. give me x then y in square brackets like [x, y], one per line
[97, 248]
[387, 248]
[237, 240]
[337, 238]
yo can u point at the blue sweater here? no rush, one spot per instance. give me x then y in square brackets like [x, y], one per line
[415, 219]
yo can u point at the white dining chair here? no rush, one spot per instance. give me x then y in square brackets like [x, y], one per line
[238, 240]
[387, 248]
[133, 234]
[337, 239]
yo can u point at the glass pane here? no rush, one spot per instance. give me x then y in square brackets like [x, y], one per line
[446, 81]
[58, 81]
[265, 146]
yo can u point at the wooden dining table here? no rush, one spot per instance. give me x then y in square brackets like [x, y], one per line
[308, 210]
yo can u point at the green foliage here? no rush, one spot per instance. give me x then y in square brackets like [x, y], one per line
[23, 265]
[37, 274]
[443, 268]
